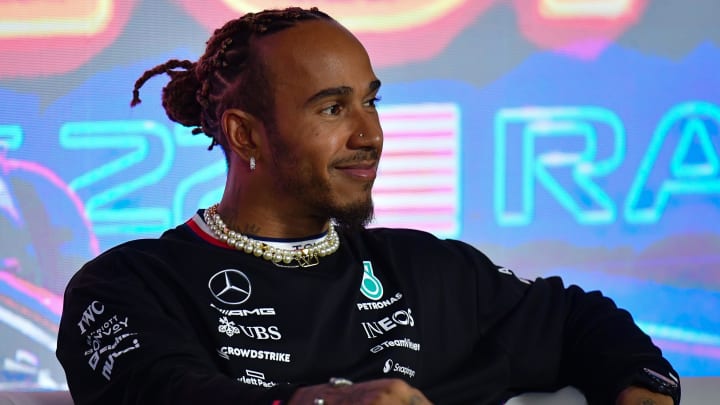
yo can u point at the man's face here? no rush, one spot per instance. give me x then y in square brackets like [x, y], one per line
[325, 92]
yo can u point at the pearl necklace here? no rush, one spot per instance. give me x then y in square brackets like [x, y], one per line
[305, 257]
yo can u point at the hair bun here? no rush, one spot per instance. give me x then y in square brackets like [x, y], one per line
[179, 98]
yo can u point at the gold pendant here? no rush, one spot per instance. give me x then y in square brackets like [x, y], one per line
[308, 260]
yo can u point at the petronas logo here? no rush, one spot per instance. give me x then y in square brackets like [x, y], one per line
[370, 286]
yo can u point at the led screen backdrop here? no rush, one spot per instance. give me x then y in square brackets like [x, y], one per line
[570, 137]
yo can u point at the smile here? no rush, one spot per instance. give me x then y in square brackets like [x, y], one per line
[360, 170]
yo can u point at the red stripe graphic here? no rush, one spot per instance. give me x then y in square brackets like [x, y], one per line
[418, 182]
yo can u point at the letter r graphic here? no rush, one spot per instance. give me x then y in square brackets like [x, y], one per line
[562, 149]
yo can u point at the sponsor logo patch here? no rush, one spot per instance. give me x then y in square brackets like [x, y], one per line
[391, 366]
[229, 328]
[230, 286]
[403, 343]
[370, 286]
[227, 351]
[256, 378]
[245, 312]
[398, 318]
[108, 340]
[365, 306]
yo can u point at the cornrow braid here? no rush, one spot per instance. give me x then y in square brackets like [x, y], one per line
[228, 75]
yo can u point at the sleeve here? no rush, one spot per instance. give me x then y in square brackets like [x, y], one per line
[582, 339]
[121, 340]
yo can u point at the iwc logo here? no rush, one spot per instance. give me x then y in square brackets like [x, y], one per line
[370, 286]
[230, 286]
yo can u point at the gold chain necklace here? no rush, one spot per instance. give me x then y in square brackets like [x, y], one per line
[305, 257]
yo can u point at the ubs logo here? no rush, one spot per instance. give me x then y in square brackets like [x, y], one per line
[230, 286]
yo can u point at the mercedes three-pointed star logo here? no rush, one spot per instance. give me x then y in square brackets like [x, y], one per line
[230, 286]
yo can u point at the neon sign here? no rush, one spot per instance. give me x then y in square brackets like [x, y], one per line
[44, 37]
[682, 158]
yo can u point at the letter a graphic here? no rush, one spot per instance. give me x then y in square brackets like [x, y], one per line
[370, 286]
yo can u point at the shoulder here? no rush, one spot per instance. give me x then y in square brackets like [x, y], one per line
[134, 248]
[425, 250]
[438, 266]
[133, 258]
[400, 236]
[421, 243]
[103, 266]
[165, 246]
[417, 253]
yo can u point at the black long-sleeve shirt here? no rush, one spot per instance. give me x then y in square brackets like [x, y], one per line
[186, 319]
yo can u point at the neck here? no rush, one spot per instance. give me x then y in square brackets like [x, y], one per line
[250, 206]
[266, 219]
[260, 223]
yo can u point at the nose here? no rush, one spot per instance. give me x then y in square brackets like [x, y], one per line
[367, 140]
[367, 135]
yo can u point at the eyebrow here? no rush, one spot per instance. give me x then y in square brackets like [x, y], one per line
[340, 91]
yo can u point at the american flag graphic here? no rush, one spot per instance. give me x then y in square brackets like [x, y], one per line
[418, 184]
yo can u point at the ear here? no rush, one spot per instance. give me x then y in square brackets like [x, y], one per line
[243, 132]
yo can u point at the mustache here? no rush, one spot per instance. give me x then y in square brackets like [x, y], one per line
[361, 156]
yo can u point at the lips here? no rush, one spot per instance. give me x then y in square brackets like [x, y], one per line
[360, 170]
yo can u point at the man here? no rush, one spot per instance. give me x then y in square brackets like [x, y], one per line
[279, 295]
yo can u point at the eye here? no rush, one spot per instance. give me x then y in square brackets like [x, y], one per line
[372, 103]
[332, 110]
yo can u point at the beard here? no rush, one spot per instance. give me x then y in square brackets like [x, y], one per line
[317, 194]
[354, 216]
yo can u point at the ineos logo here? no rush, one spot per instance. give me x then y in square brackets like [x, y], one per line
[230, 286]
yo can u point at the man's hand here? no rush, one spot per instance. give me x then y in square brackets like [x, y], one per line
[641, 396]
[375, 392]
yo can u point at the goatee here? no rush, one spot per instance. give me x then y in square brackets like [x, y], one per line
[354, 217]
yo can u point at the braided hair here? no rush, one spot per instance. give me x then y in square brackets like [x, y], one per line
[230, 74]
